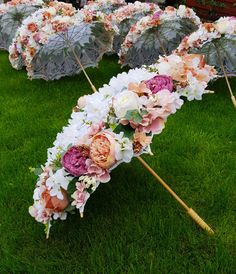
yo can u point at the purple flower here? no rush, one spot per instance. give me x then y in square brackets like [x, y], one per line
[74, 160]
[159, 82]
[157, 14]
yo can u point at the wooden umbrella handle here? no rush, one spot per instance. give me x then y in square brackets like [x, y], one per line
[189, 210]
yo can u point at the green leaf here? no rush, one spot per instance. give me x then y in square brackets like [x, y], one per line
[37, 171]
[72, 187]
[133, 115]
[128, 130]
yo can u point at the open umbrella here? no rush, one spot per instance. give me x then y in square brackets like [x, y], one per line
[87, 35]
[126, 16]
[104, 6]
[11, 16]
[156, 35]
[111, 126]
[217, 41]
[36, 30]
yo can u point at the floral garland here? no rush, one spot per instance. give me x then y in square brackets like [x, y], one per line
[103, 5]
[189, 72]
[150, 21]
[106, 128]
[131, 9]
[38, 28]
[208, 32]
[6, 6]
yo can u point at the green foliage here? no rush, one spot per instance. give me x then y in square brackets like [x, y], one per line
[128, 130]
[131, 225]
[133, 115]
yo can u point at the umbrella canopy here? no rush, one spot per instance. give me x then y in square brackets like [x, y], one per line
[106, 129]
[36, 30]
[46, 41]
[217, 41]
[105, 6]
[11, 16]
[56, 58]
[126, 16]
[156, 35]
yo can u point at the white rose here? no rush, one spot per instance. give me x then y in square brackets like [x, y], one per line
[126, 100]
[223, 26]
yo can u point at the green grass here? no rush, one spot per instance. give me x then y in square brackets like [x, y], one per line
[131, 225]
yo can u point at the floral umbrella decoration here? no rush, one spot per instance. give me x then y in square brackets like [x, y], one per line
[111, 126]
[217, 41]
[126, 16]
[104, 6]
[49, 51]
[11, 16]
[156, 35]
[36, 30]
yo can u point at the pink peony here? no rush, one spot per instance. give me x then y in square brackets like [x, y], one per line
[102, 150]
[159, 82]
[74, 160]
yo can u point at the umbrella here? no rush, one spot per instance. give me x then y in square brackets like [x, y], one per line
[217, 41]
[111, 126]
[36, 30]
[55, 58]
[126, 16]
[157, 34]
[11, 17]
[104, 6]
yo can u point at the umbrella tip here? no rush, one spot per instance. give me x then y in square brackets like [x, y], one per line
[200, 221]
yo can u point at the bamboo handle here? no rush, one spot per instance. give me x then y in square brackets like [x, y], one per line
[190, 211]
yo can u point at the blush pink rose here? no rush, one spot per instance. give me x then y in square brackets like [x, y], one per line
[102, 150]
[159, 82]
[74, 160]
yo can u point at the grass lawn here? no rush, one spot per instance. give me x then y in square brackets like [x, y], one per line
[131, 225]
